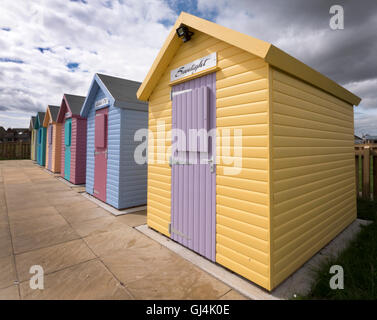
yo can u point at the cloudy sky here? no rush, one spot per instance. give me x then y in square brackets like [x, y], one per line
[51, 47]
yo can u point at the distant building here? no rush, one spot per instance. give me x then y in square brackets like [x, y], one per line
[14, 135]
[358, 140]
[369, 139]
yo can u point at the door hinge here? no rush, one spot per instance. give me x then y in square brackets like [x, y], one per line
[170, 228]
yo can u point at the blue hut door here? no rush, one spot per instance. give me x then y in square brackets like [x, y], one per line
[193, 204]
[67, 148]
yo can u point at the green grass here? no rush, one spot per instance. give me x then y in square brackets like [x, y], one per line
[359, 262]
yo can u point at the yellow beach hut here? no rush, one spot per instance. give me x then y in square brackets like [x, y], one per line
[33, 139]
[276, 181]
[53, 141]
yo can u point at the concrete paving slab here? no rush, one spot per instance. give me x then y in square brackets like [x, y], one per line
[53, 258]
[95, 226]
[7, 272]
[45, 238]
[133, 264]
[10, 293]
[77, 215]
[5, 244]
[111, 209]
[106, 243]
[178, 280]
[89, 280]
[133, 219]
[297, 284]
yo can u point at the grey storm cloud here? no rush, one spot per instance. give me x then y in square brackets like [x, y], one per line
[301, 28]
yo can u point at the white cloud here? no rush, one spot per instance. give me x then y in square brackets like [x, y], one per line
[122, 41]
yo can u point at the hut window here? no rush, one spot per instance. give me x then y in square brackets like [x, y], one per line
[100, 130]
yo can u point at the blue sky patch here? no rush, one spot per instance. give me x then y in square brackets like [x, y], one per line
[73, 66]
[42, 50]
[82, 1]
[11, 60]
[191, 6]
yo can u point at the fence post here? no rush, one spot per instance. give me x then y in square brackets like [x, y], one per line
[357, 174]
[366, 173]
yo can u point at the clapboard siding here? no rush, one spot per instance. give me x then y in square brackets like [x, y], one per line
[133, 176]
[90, 144]
[313, 171]
[47, 148]
[56, 156]
[73, 149]
[80, 141]
[242, 210]
[113, 159]
[62, 151]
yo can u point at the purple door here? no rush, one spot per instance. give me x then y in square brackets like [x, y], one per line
[49, 134]
[193, 207]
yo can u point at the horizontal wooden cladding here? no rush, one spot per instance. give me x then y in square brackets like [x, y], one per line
[244, 184]
[299, 199]
[282, 108]
[241, 88]
[250, 75]
[247, 108]
[313, 172]
[289, 131]
[228, 259]
[248, 97]
[241, 237]
[291, 162]
[309, 176]
[247, 255]
[291, 120]
[304, 251]
[279, 175]
[312, 142]
[295, 101]
[254, 170]
[290, 229]
[242, 205]
[284, 152]
[246, 195]
[309, 93]
[240, 68]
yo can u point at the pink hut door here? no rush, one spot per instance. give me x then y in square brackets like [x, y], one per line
[50, 132]
[193, 218]
[100, 154]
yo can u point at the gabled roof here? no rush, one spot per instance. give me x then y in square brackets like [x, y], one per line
[120, 92]
[32, 122]
[51, 113]
[39, 119]
[268, 52]
[74, 102]
[70, 103]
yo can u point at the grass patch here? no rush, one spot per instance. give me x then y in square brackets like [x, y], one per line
[359, 262]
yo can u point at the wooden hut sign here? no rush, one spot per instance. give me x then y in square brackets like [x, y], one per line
[194, 67]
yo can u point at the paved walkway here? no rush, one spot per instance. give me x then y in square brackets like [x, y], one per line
[86, 252]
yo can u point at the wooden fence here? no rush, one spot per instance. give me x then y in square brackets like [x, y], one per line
[14, 150]
[366, 171]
